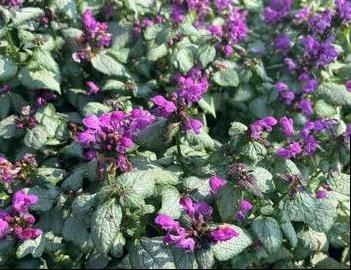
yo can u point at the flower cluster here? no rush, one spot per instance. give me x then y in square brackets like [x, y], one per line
[216, 184]
[197, 233]
[190, 89]
[277, 10]
[21, 170]
[263, 125]
[245, 208]
[26, 119]
[18, 221]
[11, 3]
[112, 133]
[95, 36]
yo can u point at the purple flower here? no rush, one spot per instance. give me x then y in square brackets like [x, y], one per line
[290, 64]
[193, 125]
[192, 86]
[309, 86]
[92, 88]
[291, 151]
[285, 94]
[216, 184]
[4, 228]
[320, 53]
[11, 3]
[8, 171]
[166, 222]
[5, 88]
[223, 234]
[245, 206]
[228, 50]
[164, 107]
[21, 201]
[140, 119]
[236, 25]
[196, 229]
[321, 194]
[186, 244]
[343, 10]
[222, 4]
[277, 10]
[240, 215]
[282, 43]
[27, 233]
[303, 14]
[264, 124]
[287, 125]
[305, 106]
[178, 13]
[216, 30]
[321, 21]
[310, 145]
[348, 85]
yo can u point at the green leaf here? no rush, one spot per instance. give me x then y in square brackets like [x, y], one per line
[121, 34]
[185, 60]
[47, 197]
[25, 14]
[253, 151]
[319, 214]
[50, 175]
[170, 202]
[95, 108]
[206, 103]
[202, 139]
[118, 245]
[334, 93]
[108, 65]
[149, 253]
[35, 247]
[313, 241]
[290, 233]
[267, 230]
[341, 187]
[40, 79]
[36, 137]
[259, 108]
[153, 137]
[75, 230]
[8, 68]
[183, 260]
[67, 7]
[105, 225]
[226, 250]
[42, 60]
[226, 78]
[207, 53]
[228, 202]
[74, 181]
[264, 179]
[198, 188]
[205, 258]
[8, 127]
[323, 109]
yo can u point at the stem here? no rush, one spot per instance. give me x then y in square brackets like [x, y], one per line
[179, 151]
[13, 49]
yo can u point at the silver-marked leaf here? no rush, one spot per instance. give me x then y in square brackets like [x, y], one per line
[8, 68]
[35, 247]
[75, 230]
[8, 127]
[148, 253]
[226, 78]
[227, 250]
[228, 202]
[207, 54]
[264, 179]
[40, 79]
[290, 233]
[335, 93]
[105, 225]
[267, 230]
[108, 65]
[319, 214]
[36, 137]
[170, 202]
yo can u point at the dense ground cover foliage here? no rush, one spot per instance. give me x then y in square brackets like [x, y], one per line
[175, 134]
